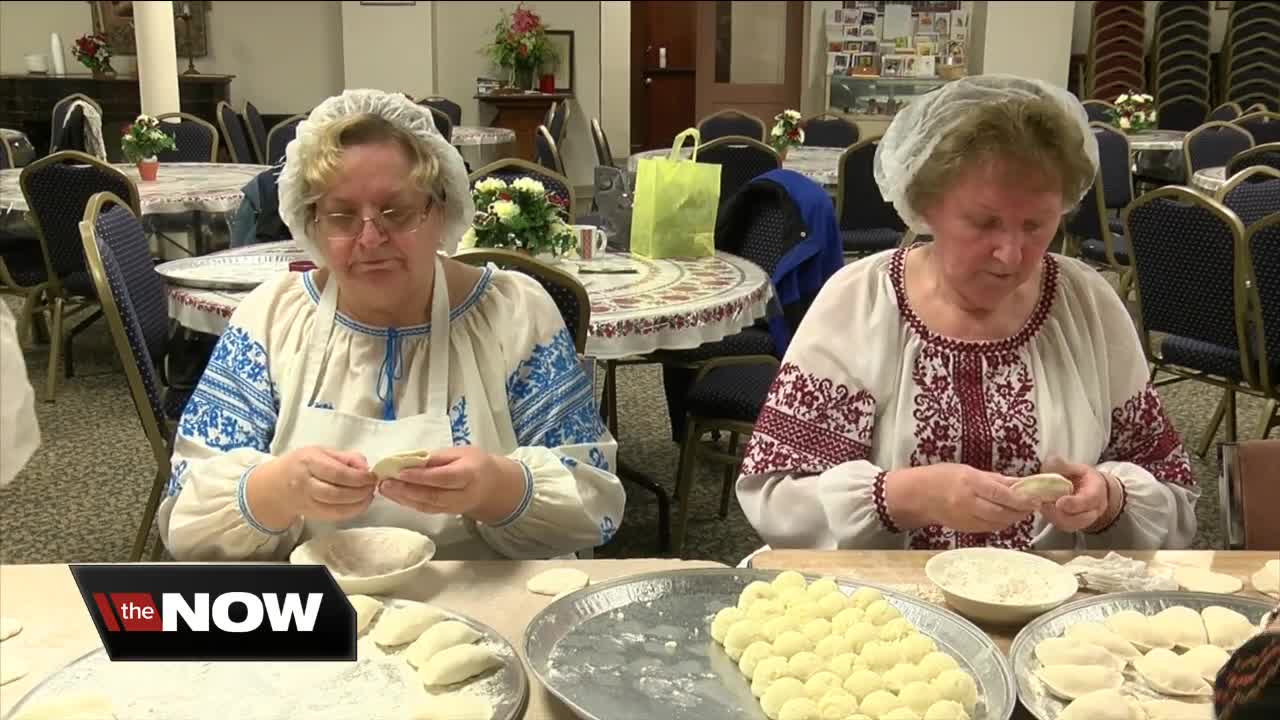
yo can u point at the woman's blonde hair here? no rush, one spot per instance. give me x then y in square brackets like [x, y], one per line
[321, 160]
[1027, 132]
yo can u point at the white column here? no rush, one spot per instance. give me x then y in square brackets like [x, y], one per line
[157, 57]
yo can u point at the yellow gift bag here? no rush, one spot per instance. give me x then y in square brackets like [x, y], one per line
[674, 211]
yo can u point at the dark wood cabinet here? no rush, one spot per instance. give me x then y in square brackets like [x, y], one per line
[26, 101]
[523, 113]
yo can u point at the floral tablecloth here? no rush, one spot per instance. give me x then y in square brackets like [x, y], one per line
[179, 187]
[819, 164]
[469, 135]
[672, 304]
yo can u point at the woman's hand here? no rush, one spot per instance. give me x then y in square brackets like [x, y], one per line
[313, 482]
[1092, 504]
[461, 481]
[955, 496]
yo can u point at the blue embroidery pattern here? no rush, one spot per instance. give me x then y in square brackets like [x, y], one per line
[552, 401]
[598, 459]
[322, 405]
[235, 404]
[607, 529]
[175, 478]
[568, 462]
[458, 423]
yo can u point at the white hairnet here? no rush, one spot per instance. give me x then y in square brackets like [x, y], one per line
[399, 110]
[910, 140]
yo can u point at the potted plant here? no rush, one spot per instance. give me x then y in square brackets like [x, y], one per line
[94, 53]
[786, 132]
[141, 141]
[520, 216]
[1133, 112]
[520, 46]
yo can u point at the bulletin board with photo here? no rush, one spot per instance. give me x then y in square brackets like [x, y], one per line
[898, 39]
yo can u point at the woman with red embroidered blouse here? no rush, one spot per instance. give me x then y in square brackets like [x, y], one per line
[924, 381]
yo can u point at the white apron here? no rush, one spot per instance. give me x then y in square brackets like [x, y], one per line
[303, 425]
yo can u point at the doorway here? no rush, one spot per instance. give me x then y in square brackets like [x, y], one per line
[663, 84]
[749, 57]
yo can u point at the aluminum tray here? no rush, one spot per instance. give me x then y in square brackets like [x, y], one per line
[640, 648]
[1036, 698]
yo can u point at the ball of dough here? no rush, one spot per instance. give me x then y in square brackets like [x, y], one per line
[821, 588]
[879, 703]
[935, 663]
[880, 656]
[804, 665]
[799, 709]
[846, 619]
[751, 657]
[782, 690]
[740, 635]
[832, 604]
[901, 713]
[919, 696]
[775, 626]
[916, 646]
[755, 591]
[821, 683]
[861, 634]
[816, 629]
[864, 597]
[881, 612]
[792, 597]
[804, 612]
[557, 580]
[767, 673]
[957, 685]
[901, 675]
[844, 664]
[946, 710]
[837, 705]
[895, 629]
[863, 682]
[724, 620]
[789, 579]
[791, 642]
[833, 645]
[764, 609]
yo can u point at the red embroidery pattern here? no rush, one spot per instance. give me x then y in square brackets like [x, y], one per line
[200, 304]
[808, 425]
[1142, 434]
[882, 506]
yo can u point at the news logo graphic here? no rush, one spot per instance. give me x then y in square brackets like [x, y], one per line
[218, 612]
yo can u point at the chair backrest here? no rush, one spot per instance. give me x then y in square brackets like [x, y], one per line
[1183, 248]
[1263, 125]
[560, 113]
[196, 139]
[728, 123]
[1213, 144]
[72, 134]
[761, 235]
[1184, 112]
[827, 130]
[57, 189]
[444, 124]
[59, 116]
[558, 186]
[1114, 164]
[548, 154]
[446, 106]
[232, 125]
[1252, 194]
[1267, 155]
[569, 295]
[1226, 111]
[741, 160]
[1097, 110]
[1262, 241]
[859, 204]
[280, 136]
[134, 304]
[6, 155]
[604, 154]
[257, 131]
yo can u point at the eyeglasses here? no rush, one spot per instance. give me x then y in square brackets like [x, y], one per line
[392, 221]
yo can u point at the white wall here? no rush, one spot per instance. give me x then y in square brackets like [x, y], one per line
[615, 74]
[1032, 39]
[1084, 18]
[389, 47]
[286, 56]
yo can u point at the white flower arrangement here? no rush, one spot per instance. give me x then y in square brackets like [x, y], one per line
[1133, 112]
[521, 215]
[786, 132]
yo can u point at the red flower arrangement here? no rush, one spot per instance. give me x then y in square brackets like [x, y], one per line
[520, 41]
[93, 51]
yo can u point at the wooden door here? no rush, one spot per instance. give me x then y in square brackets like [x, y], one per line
[662, 98]
[749, 57]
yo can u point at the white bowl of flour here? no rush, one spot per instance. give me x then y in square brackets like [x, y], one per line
[1000, 586]
[370, 560]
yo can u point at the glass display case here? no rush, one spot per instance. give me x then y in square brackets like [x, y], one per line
[867, 97]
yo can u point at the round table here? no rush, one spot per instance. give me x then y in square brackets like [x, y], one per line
[670, 304]
[819, 164]
[1209, 180]
[179, 187]
[474, 135]
[1156, 140]
[23, 151]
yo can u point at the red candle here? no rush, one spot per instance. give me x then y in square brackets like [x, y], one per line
[547, 83]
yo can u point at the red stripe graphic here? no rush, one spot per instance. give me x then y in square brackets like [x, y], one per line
[138, 612]
[104, 609]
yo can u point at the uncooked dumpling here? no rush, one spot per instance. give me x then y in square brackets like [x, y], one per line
[901, 675]
[791, 642]
[455, 707]
[767, 672]
[1102, 705]
[837, 705]
[833, 646]
[1177, 710]
[804, 665]
[879, 703]
[1105, 638]
[1266, 580]
[846, 619]
[935, 663]
[755, 653]
[11, 669]
[764, 609]
[821, 683]
[773, 627]
[756, 590]
[438, 637]
[861, 634]
[792, 596]
[919, 696]
[833, 604]
[896, 629]
[558, 580]
[1202, 580]
[1207, 660]
[789, 579]
[880, 656]
[801, 708]
[1072, 681]
[1227, 628]
[1136, 628]
[864, 597]
[400, 625]
[391, 466]
[458, 663]
[821, 588]
[916, 646]
[1068, 651]
[881, 612]
[1180, 626]
[366, 609]
[1045, 487]
[844, 665]
[957, 685]
[804, 612]
[816, 630]
[863, 682]
[782, 690]
[724, 620]
[75, 707]
[741, 635]
[9, 626]
[946, 710]
[1167, 674]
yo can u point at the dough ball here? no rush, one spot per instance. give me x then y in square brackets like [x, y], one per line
[1227, 628]
[821, 588]
[844, 664]
[821, 683]
[864, 597]
[765, 609]
[755, 591]
[455, 706]
[804, 612]
[1202, 580]
[946, 710]
[1180, 625]
[879, 703]
[861, 634]
[740, 635]
[901, 713]
[9, 626]
[832, 646]
[775, 626]
[804, 665]
[799, 709]
[782, 690]
[767, 673]
[935, 663]
[832, 604]
[458, 663]
[1102, 705]
[789, 579]
[863, 682]
[916, 646]
[791, 642]
[957, 685]
[792, 597]
[881, 612]
[366, 608]
[880, 656]
[724, 620]
[558, 580]
[751, 657]
[816, 630]
[896, 629]
[846, 619]
[439, 637]
[837, 705]
[919, 696]
[901, 675]
[400, 625]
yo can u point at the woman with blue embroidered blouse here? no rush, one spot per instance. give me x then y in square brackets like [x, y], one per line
[389, 347]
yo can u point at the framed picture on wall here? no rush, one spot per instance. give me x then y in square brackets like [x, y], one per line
[562, 41]
[115, 20]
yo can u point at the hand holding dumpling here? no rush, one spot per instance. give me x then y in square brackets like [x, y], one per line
[1094, 503]
[461, 480]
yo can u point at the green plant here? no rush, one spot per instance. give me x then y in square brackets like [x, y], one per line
[1133, 112]
[786, 131]
[519, 216]
[93, 51]
[144, 138]
[520, 41]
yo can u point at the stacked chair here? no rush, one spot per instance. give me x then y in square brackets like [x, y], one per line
[1179, 62]
[1250, 59]
[1114, 64]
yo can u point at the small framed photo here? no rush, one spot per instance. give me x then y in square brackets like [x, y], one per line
[901, 43]
[891, 66]
[942, 24]
[562, 41]
[909, 65]
[925, 67]
[926, 44]
[867, 32]
[867, 17]
[851, 32]
[851, 46]
[924, 22]
[835, 46]
[836, 16]
[839, 61]
[869, 46]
